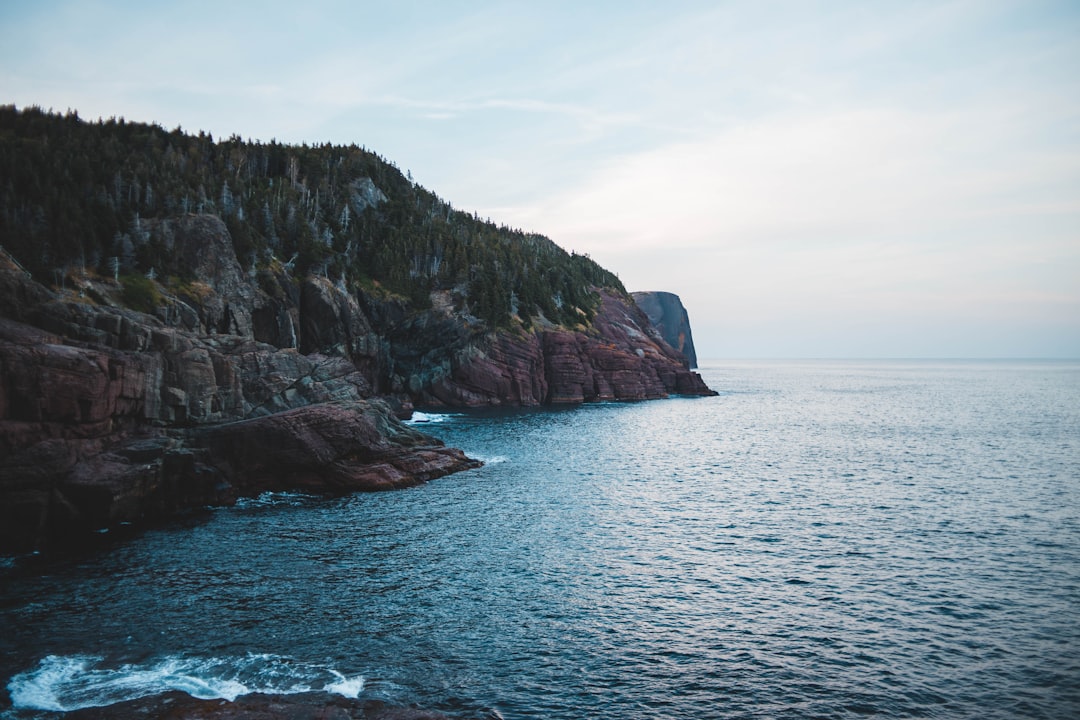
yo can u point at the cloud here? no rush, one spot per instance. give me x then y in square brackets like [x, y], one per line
[828, 229]
[819, 168]
[844, 175]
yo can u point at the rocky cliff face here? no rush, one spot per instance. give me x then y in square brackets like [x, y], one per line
[620, 358]
[667, 314]
[242, 382]
[109, 417]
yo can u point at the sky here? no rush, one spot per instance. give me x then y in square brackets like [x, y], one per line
[813, 179]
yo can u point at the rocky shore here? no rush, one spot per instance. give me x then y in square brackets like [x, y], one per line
[109, 417]
[256, 706]
[229, 384]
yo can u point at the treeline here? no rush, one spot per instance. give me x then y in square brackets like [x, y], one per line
[86, 194]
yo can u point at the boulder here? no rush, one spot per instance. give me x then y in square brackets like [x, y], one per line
[329, 448]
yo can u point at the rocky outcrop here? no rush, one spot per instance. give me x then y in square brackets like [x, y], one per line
[667, 314]
[221, 295]
[110, 417]
[327, 448]
[622, 358]
[178, 705]
[94, 438]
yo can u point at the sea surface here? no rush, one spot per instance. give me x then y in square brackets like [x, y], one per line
[824, 539]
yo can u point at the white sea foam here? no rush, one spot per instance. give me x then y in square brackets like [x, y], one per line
[66, 683]
[36, 689]
[350, 687]
[427, 418]
[488, 459]
[272, 499]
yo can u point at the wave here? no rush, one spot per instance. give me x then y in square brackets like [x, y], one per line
[66, 683]
[488, 459]
[427, 418]
[273, 499]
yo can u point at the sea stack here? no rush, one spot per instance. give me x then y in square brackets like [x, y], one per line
[668, 315]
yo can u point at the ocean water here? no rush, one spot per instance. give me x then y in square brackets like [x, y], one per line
[824, 539]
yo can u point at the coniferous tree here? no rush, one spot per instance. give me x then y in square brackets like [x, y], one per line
[73, 192]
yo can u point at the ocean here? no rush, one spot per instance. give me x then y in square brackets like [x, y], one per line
[826, 539]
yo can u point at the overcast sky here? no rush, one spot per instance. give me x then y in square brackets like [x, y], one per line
[814, 179]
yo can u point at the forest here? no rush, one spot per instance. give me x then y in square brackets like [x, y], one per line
[86, 194]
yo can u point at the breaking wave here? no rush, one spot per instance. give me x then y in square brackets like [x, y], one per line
[275, 499]
[423, 418]
[67, 683]
[488, 459]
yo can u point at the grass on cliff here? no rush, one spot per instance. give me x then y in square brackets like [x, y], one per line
[140, 293]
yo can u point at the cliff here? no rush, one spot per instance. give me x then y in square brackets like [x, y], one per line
[667, 314]
[110, 417]
[163, 356]
[238, 385]
[618, 357]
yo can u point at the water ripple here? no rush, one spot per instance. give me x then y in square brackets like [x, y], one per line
[835, 540]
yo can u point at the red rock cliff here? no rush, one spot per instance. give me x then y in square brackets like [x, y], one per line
[621, 357]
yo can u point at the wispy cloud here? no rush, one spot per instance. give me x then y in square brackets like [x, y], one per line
[845, 164]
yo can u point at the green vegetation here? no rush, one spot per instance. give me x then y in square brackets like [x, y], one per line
[74, 193]
[140, 293]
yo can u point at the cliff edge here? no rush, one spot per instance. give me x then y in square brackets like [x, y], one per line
[667, 314]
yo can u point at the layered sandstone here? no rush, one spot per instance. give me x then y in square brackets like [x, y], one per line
[621, 357]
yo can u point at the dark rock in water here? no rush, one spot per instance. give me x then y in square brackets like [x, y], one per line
[328, 449]
[667, 314]
[256, 706]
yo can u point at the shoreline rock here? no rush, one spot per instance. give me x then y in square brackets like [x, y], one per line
[623, 357]
[178, 705]
[93, 437]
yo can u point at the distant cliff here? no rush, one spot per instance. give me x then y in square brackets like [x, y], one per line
[667, 314]
[183, 322]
